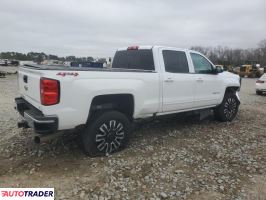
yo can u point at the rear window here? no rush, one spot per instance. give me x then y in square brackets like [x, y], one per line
[134, 59]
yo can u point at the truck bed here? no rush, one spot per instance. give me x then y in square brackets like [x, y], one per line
[77, 92]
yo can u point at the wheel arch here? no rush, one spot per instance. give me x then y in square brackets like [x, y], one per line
[123, 103]
[228, 89]
[232, 89]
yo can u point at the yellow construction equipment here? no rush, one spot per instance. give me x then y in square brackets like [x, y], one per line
[228, 68]
[251, 70]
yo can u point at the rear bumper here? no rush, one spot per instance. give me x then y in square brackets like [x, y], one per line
[34, 118]
[260, 87]
[259, 90]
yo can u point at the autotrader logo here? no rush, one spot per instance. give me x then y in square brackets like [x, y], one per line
[27, 193]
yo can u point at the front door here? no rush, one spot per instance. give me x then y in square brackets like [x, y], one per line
[208, 85]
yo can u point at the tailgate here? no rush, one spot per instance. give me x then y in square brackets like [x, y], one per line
[29, 85]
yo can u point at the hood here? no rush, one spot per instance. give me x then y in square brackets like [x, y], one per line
[231, 75]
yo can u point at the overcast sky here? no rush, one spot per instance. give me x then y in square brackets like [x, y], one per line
[99, 27]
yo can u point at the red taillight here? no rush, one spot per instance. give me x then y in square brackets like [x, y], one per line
[133, 48]
[259, 81]
[50, 91]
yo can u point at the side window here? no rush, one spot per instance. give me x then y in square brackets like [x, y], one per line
[175, 61]
[201, 64]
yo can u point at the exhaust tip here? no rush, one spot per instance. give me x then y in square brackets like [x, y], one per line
[37, 140]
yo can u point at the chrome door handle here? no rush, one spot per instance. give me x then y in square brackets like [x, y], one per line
[169, 80]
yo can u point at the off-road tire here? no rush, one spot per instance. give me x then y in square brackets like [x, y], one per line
[106, 133]
[228, 109]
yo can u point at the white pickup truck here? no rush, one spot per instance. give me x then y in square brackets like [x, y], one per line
[145, 81]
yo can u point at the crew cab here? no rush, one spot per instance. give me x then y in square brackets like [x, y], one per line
[143, 82]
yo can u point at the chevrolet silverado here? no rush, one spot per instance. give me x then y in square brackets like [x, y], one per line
[143, 82]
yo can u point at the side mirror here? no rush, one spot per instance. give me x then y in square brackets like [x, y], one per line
[218, 70]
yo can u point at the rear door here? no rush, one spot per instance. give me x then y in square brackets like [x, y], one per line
[177, 81]
[208, 85]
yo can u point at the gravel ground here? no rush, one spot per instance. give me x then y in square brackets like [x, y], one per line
[170, 158]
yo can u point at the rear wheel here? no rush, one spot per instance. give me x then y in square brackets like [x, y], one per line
[107, 133]
[228, 109]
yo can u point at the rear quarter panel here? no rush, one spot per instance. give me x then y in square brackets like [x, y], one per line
[77, 93]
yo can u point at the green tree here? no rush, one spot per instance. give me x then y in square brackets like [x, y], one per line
[101, 60]
[70, 58]
[90, 59]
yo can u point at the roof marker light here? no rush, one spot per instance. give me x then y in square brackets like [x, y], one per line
[133, 48]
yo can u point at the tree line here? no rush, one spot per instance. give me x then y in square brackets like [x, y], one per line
[236, 57]
[39, 57]
[218, 55]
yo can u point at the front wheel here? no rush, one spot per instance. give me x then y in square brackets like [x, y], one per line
[228, 109]
[107, 133]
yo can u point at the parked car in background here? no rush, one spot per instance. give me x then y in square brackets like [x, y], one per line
[3, 62]
[13, 63]
[88, 64]
[261, 85]
[26, 62]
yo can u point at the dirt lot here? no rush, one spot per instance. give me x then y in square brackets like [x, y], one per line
[171, 158]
